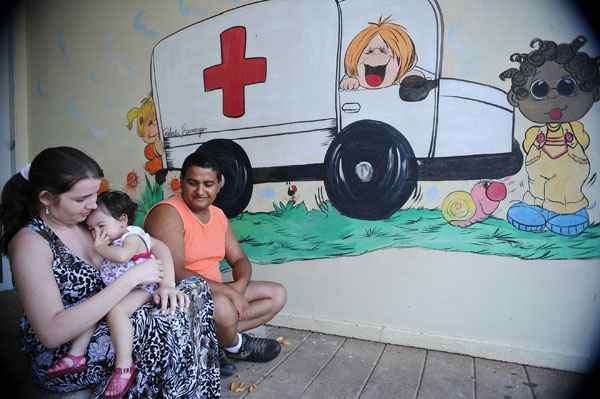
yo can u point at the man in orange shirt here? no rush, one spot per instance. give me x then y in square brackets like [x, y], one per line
[199, 237]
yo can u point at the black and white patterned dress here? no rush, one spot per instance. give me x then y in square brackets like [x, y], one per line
[176, 355]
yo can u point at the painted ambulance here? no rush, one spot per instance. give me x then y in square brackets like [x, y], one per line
[259, 86]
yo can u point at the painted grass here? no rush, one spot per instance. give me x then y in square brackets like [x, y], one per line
[152, 195]
[291, 233]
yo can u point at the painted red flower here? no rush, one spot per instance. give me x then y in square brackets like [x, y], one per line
[569, 137]
[104, 186]
[175, 184]
[540, 138]
[132, 179]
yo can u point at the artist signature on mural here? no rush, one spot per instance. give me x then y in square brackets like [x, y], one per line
[183, 131]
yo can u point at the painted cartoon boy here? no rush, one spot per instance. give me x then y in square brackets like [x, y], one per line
[147, 129]
[378, 56]
[555, 86]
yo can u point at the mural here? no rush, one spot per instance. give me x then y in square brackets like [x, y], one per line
[369, 147]
[365, 110]
[378, 56]
[463, 209]
[146, 126]
[555, 85]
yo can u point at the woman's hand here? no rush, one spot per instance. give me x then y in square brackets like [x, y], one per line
[147, 272]
[170, 297]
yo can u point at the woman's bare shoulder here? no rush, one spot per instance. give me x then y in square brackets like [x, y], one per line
[28, 237]
[28, 248]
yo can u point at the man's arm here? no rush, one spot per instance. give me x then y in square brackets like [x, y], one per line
[240, 265]
[165, 224]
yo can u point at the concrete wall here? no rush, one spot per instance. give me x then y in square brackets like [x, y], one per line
[533, 312]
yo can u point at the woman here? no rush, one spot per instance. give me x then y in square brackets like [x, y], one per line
[53, 265]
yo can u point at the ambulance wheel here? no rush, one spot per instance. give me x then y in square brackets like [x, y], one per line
[370, 170]
[237, 173]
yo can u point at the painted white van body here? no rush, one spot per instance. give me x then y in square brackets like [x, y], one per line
[289, 115]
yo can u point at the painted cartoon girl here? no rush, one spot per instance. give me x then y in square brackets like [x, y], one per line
[555, 86]
[147, 129]
[378, 56]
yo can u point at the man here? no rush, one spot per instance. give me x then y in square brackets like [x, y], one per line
[199, 236]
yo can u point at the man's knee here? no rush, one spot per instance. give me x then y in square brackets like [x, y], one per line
[279, 296]
[225, 313]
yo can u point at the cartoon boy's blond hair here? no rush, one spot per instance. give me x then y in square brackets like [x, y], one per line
[394, 35]
[142, 113]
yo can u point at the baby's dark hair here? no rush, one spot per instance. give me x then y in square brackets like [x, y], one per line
[118, 203]
[582, 67]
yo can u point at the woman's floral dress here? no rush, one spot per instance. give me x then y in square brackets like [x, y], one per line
[176, 355]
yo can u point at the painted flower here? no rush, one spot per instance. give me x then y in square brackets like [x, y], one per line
[132, 180]
[104, 186]
[569, 137]
[540, 138]
[175, 184]
[132, 184]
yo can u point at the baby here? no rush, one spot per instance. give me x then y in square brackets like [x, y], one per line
[122, 247]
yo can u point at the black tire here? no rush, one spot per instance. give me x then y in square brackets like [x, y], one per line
[388, 175]
[235, 165]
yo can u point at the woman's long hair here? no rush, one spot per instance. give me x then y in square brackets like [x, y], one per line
[55, 170]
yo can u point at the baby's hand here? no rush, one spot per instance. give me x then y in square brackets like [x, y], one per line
[101, 239]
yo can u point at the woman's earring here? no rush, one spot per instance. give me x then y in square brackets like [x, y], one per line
[46, 211]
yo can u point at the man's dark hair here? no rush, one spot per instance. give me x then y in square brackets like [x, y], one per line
[203, 159]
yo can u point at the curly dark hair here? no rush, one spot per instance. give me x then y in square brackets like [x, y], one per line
[118, 203]
[581, 66]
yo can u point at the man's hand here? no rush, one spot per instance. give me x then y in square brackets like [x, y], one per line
[169, 297]
[241, 304]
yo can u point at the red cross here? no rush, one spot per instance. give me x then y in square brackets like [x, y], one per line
[235, 71]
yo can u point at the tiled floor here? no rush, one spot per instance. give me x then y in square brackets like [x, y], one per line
[314, 365]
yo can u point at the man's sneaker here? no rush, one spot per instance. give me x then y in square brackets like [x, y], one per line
[228, 368]
[255, 349]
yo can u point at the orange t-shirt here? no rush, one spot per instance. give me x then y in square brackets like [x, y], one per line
[204, 243]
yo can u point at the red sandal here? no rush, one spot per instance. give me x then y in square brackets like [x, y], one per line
[119, 383]
[62, 367]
